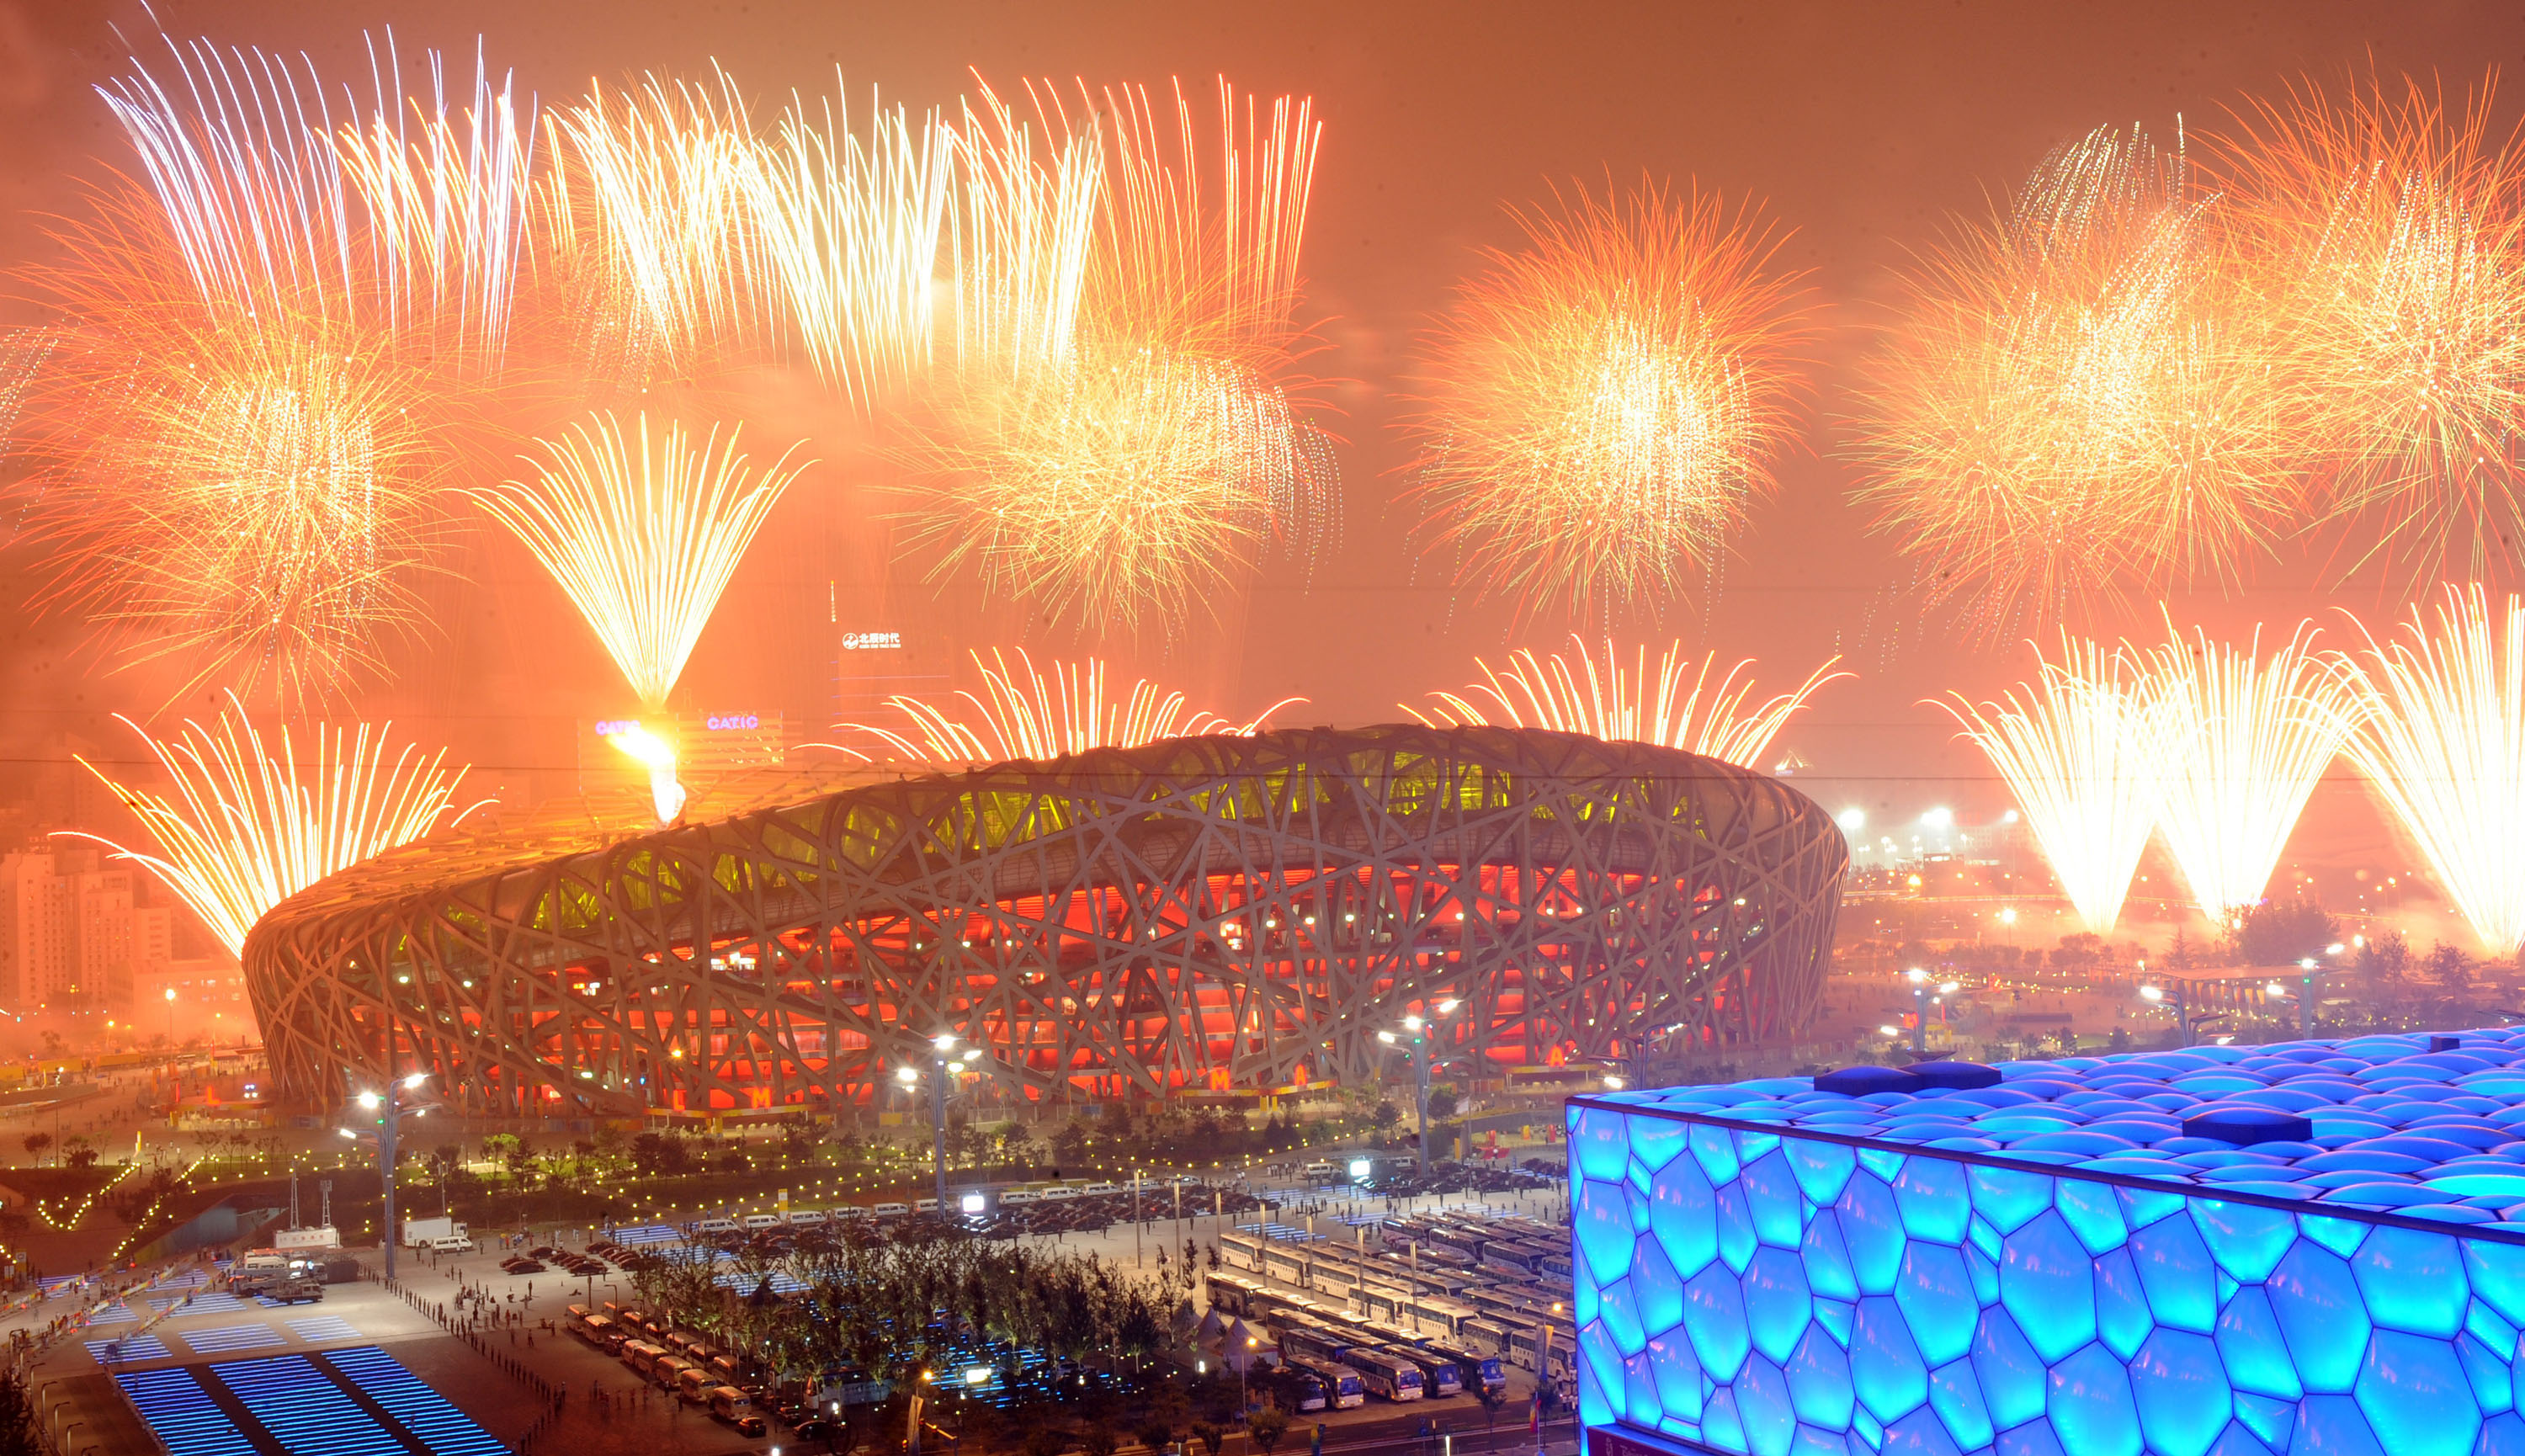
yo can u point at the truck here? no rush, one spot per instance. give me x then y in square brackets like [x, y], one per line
[433, 1232]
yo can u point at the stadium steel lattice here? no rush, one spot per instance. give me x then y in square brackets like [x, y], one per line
[1211, 912]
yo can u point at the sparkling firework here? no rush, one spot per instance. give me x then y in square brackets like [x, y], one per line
[2073, 401]
[1116, 442]
[1679, 707]
[1113, 492]
[408, 224]
[247, 825]
[1019, 713]
[2391, 243]
[642, 533]
[851, 228]
[2077, 749]
[667, 796]
[254, 511]
[1603, 405]
[650, 227]
[2242, 741]
[2439, 728]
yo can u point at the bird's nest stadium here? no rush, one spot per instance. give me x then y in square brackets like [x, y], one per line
[1208, 913]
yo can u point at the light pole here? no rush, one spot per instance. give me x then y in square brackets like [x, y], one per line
[1417, 1030]
[2182, 1018]
[390, 1110]
[2305, 996]
[1920, 999]
[941, 1048]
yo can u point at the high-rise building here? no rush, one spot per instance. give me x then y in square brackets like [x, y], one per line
[103, 953]
[36, 931]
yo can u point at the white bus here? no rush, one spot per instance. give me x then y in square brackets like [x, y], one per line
[1386, 1375]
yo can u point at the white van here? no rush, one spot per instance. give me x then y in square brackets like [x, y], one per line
[716, 1225]
[1092, 1189]
[1321, 1168]
[849, 1211]
[925, 1205]
[891, 1210]
[807, 1216]
[753, 1221]
[452, 1245]
[1056, 1193]
[1015, 1196]
[693, 1384]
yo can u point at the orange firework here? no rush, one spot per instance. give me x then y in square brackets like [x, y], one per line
[2073, 401]
[1115, 438]
[1678, 707]
[2390, 234]
[1019, 713]
[267, 332]
[651, 229]
[1602, 404]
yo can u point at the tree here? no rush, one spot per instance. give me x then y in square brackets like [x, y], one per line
[1383, 1115]
[2282, 933]
[18, 1435]
[77, 1152]
[2448, 966]
[2080, 951]
[1264, 1427]
[2182, 954]
[1211, 1434]
[1442, 1102]
[657, 1155]
[1046, 1440]
[1099, 1440]
[1494, 1398]
[35, 1143]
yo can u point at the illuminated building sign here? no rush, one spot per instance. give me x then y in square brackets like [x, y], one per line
[871, 641]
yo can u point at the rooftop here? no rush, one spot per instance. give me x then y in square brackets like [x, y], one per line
[2390, 1126]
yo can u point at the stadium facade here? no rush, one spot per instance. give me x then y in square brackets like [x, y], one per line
[1212, 913]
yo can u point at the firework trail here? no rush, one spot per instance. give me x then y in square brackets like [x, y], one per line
[2438, 726]
[245, 417]
[1117, 440]
[2390, 234]
[1676, 707]
[643, 533]
[248, 826]
[1019, 713]
[1602, 405]
[650, 219]
[2241, 743]
[851, 230]
[2077, 748]
[2075, 401]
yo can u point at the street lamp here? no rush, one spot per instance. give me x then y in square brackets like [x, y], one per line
[2182, 1019]
[943, 1064]
[391, 1111]
[1416, 1033]
[2305, 994]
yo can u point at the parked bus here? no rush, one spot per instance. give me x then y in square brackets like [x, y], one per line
[1313, 1342]
[642, 1357]
[1471, 1365]
[1387, 1375]
[1342, 1384]
[1485, 1333]
[1430, 1312]
[1299, 1391]
[1285, 1261]
[1440, 1377]
[1238, 1251]
[1235, 1295]
[1521, 1344]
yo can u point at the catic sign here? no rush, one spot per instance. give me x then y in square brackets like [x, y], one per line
[871, 641]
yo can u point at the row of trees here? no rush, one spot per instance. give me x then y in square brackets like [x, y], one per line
[880, 1309]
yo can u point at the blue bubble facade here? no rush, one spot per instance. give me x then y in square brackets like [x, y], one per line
[2050, 1267]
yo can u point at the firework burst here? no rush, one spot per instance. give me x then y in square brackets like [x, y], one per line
[2077, 748]
[2073, 401]
[642, 533]
[2242, 741]
[1020, 714]
[1115, 439]
[2390, 234]
[2438, 726]
[1602, 405]
[1676, 705]
[249, 825]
